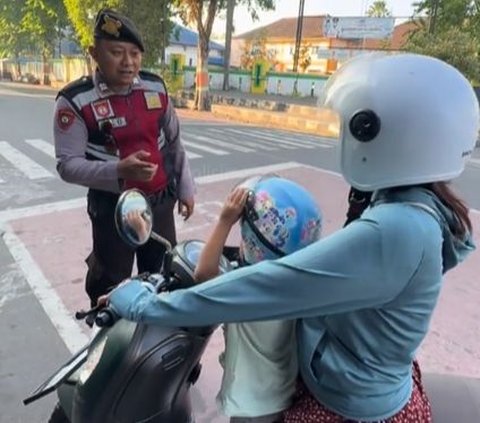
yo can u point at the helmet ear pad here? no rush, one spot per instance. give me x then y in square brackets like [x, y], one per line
[364, 125]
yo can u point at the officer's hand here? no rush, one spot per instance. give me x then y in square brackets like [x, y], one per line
[136, 167]
[185, 207]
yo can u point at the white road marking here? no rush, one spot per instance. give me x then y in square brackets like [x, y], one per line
[224, 144]
[43, 146]
[215, 151]
[265, 138]
[191, 155]
[252, 144]
[66, 326]
[23, 163]
[300, 140]
[40, 209]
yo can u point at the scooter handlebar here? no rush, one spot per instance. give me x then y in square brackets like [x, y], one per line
[106, 317]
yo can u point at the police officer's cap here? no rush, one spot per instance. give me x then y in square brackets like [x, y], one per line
[111, 25]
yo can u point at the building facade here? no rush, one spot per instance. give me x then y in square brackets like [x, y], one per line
[325, 54]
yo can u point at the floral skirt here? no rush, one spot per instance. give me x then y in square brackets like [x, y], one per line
[306, 409]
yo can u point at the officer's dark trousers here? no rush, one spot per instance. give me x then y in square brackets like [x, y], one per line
[111, 260]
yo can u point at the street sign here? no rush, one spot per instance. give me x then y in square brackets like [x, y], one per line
[358, 27]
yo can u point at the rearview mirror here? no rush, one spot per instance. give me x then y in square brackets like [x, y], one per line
[133, 218]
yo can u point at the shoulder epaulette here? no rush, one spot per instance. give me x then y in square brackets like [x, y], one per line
[78, 86]
[149, 76]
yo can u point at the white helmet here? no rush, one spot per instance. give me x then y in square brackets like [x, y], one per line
[405, 119]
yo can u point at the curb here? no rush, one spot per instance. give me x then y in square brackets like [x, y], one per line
[311, 120]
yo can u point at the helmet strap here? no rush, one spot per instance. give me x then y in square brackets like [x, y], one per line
[266, 243]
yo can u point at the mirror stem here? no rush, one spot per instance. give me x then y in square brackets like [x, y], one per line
[162, 240]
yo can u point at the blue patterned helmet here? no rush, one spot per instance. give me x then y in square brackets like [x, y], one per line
[280, 217]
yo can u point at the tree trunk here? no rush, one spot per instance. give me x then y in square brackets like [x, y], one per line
[88, 61]
[228, 44]
[202, 100]
[17, 66]
[164, 35]
[46, 69]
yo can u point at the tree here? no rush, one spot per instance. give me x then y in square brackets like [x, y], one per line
[81, 14]
[254, 49]
[13, 39]
[453, 46]
[379, 9]
[31, 26]
[152, 17]
[252, 7]
[441, 15]
[43, 21]
[449, 31]
[304, 60]
[201, 13]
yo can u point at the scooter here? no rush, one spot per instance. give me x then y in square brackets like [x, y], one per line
[132, 372]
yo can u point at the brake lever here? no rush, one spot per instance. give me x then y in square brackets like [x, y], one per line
[82, 314]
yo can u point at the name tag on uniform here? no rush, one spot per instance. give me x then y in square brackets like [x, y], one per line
[117, 122]
[102, 109]
[153, 100]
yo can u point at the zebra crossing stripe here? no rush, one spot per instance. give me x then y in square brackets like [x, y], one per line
[254, 145]
[23, 163]
[275, 138]
[217, 152]
[300, 140]
[191, 155]
[43, 146]
[265, 138]
[224, 144]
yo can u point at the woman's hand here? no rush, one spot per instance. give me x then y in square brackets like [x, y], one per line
[102, 301]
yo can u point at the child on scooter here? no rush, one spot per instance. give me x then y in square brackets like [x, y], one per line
[277, 217]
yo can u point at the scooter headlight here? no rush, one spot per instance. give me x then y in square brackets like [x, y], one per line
[93, 359]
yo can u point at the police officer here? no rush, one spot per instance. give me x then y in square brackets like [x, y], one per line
[118, 130]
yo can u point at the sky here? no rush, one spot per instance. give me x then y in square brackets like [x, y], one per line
[289, 9]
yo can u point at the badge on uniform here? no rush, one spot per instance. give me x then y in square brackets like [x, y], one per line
[102, 109]
[116, 122]
[65, 118]
[153, 100]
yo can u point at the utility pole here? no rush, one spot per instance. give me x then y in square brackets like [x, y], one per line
[298, 39]
[433, 17]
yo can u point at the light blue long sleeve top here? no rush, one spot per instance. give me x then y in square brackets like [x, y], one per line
[363, 297]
